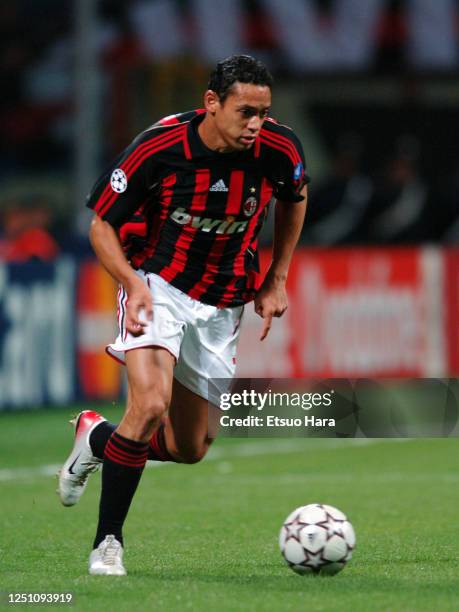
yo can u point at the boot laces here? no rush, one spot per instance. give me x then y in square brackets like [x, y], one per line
[110, 551]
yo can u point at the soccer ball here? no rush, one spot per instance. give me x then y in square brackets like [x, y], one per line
[317, 539]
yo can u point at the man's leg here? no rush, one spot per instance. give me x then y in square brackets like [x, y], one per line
[186, 431]
[92, 433]
[150, 373]
[182, 436]
[102, 432]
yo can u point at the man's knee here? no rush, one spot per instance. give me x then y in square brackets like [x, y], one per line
[193, 454]
[147, 413]
[154, 410]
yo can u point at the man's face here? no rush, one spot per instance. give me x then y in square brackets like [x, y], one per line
[239, 118]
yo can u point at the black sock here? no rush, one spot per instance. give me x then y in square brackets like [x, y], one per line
[157, 449]
[99, 437]
[124, 461]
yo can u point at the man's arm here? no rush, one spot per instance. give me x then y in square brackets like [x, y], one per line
[108, 249]
[271, 300]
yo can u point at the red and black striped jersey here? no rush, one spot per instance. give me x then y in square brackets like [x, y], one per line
[193, 215]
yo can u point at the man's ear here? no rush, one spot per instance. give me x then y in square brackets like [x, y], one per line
[211, 101]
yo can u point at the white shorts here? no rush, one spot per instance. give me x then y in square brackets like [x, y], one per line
[202, 338]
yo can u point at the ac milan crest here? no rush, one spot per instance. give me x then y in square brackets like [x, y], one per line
[250, 206]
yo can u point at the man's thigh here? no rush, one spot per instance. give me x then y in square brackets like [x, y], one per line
[150, 375]
[150, 369]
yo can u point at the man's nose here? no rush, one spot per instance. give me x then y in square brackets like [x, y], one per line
[254, 123]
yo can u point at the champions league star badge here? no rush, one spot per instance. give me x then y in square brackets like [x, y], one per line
[250, 206]
[118, 181]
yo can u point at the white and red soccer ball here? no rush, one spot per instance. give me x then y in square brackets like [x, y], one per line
[317, 539]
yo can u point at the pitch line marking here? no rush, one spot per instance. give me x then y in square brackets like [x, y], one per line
[244, 449]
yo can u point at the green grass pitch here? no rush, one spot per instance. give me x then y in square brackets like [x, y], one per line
[204, 537]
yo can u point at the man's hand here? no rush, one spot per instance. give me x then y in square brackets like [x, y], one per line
[271, 301]
[139, 308]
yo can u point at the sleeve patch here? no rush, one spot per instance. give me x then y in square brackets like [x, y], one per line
[298, 172]
[118, 181]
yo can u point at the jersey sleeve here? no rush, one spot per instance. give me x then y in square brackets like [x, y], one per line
[289, 167]
[124, 187]
[180, 117]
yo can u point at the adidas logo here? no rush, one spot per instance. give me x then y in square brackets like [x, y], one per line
[219, 186]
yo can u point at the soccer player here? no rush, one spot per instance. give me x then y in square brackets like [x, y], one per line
[176, 224]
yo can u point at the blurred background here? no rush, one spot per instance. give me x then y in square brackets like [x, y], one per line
[372, 89]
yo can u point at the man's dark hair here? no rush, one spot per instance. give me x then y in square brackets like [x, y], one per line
[238, 68]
